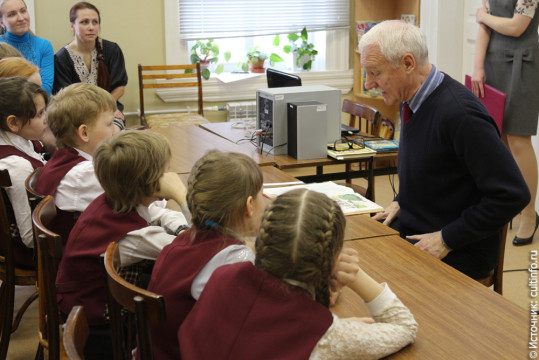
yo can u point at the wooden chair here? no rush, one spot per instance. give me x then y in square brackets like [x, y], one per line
[368, 118]
[149, 308]
[161, 76]
[496, 276]
[49, 247]
[34, 197]
[76, 332]
[10, 274]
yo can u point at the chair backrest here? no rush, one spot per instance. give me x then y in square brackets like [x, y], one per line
[148, 307]
[49, 246]
[496, 276]
[76, 332]
[161, 76]
[34, 197]
[363, 114]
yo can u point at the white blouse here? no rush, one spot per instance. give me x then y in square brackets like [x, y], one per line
[394, 328]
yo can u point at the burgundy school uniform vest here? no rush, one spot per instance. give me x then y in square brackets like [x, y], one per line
[53, 172]
[173, 273]
[23, 255]
[247, 313]
[81, 279]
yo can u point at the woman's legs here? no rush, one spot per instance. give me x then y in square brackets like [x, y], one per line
[522, 150]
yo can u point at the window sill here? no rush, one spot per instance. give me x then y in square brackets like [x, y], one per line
[215, 90]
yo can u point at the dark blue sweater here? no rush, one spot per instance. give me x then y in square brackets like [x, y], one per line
[455, 174]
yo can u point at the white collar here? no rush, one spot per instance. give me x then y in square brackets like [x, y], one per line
[20, 143]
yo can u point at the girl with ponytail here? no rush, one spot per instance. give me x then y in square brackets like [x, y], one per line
[278, 307]
[91, 59]
[224, 196]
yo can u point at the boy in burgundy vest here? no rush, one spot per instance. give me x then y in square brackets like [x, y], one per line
[81, 117]
[131, 168]
[22, 119]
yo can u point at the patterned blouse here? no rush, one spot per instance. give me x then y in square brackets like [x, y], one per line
[523, 7]
[85, 75]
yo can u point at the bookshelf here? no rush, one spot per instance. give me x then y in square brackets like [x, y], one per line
[368, 10]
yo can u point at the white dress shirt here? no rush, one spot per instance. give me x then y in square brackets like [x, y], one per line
[147, 243]
[79, 187]
[19, 169]
[230, 255]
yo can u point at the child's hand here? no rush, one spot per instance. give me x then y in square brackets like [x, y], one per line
[347, 267]
[171, 187]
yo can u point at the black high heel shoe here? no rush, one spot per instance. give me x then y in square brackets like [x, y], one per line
[525, 241]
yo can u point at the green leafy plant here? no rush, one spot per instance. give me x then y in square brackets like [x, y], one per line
[207, 52]
[304, 49]
[255, 55]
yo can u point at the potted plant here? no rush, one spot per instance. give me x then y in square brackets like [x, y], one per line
[207, 52]
[255, 60]
[304, 51]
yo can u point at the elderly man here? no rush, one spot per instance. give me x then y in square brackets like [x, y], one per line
[459, 184]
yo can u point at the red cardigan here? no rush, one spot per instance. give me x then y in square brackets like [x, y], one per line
[247, 313]
[81, 279]
[174, 271]
[52, 174]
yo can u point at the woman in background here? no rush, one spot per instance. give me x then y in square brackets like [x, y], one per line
[507, 58]
[15, 20]
[90, 59]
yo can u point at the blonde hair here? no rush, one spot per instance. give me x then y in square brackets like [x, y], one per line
[218, 188]
[300, 236]
[129, 166]
[396, 38]
[7, 50]
[17, 66]
[73, 106]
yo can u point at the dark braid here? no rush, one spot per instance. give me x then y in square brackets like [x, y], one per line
[103, 76]
[300, 236]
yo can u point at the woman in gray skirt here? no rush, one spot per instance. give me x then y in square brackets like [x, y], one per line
[507, 58]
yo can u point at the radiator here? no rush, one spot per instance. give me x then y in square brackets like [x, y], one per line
[241, 111]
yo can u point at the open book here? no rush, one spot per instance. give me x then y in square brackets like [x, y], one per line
[350, 201]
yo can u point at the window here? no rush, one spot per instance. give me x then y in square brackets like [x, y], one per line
[327, 22]
[240, 24]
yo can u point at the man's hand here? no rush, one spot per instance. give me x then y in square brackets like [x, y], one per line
[389, 214]
[431, 243]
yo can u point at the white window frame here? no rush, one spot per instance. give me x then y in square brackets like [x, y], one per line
[215, 90]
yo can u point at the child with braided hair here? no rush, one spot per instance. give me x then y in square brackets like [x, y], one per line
[278, 307]
[224, 196]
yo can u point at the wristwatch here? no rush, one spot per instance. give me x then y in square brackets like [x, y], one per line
[180, 229]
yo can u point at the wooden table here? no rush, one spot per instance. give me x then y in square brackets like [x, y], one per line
[189, 143]
[357, 226]
[226, 131]
[458, 317]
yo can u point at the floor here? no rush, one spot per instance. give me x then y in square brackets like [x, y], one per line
[517, 261]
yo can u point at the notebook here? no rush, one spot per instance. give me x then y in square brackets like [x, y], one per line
[351, 154]
[494, 101]
[381, 146]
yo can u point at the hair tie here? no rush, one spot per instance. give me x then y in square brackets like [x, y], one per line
[210, 223]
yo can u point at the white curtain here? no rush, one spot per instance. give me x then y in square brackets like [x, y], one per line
[205, 19]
